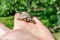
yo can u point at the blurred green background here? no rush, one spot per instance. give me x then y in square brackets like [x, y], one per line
[45, 10]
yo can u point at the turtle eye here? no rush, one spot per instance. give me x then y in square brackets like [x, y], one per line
[28, 19]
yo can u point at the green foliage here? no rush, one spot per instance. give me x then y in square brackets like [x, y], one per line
[8, 7]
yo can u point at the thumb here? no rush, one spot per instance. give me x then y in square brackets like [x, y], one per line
[3, 29]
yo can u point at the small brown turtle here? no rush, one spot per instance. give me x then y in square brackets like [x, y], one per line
[26, 17]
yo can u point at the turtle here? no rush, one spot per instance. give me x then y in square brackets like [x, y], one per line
[26, 17]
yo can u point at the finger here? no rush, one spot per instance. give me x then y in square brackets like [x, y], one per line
[36, 20]
[15, 20]
[19, 24]
[3, 29]
[17, 16]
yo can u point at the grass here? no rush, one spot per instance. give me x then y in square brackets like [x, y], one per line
[9, 22]
[56, 35]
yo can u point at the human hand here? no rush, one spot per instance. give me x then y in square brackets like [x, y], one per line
[27, 31]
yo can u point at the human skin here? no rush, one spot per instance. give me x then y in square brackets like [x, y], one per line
[25, 31]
